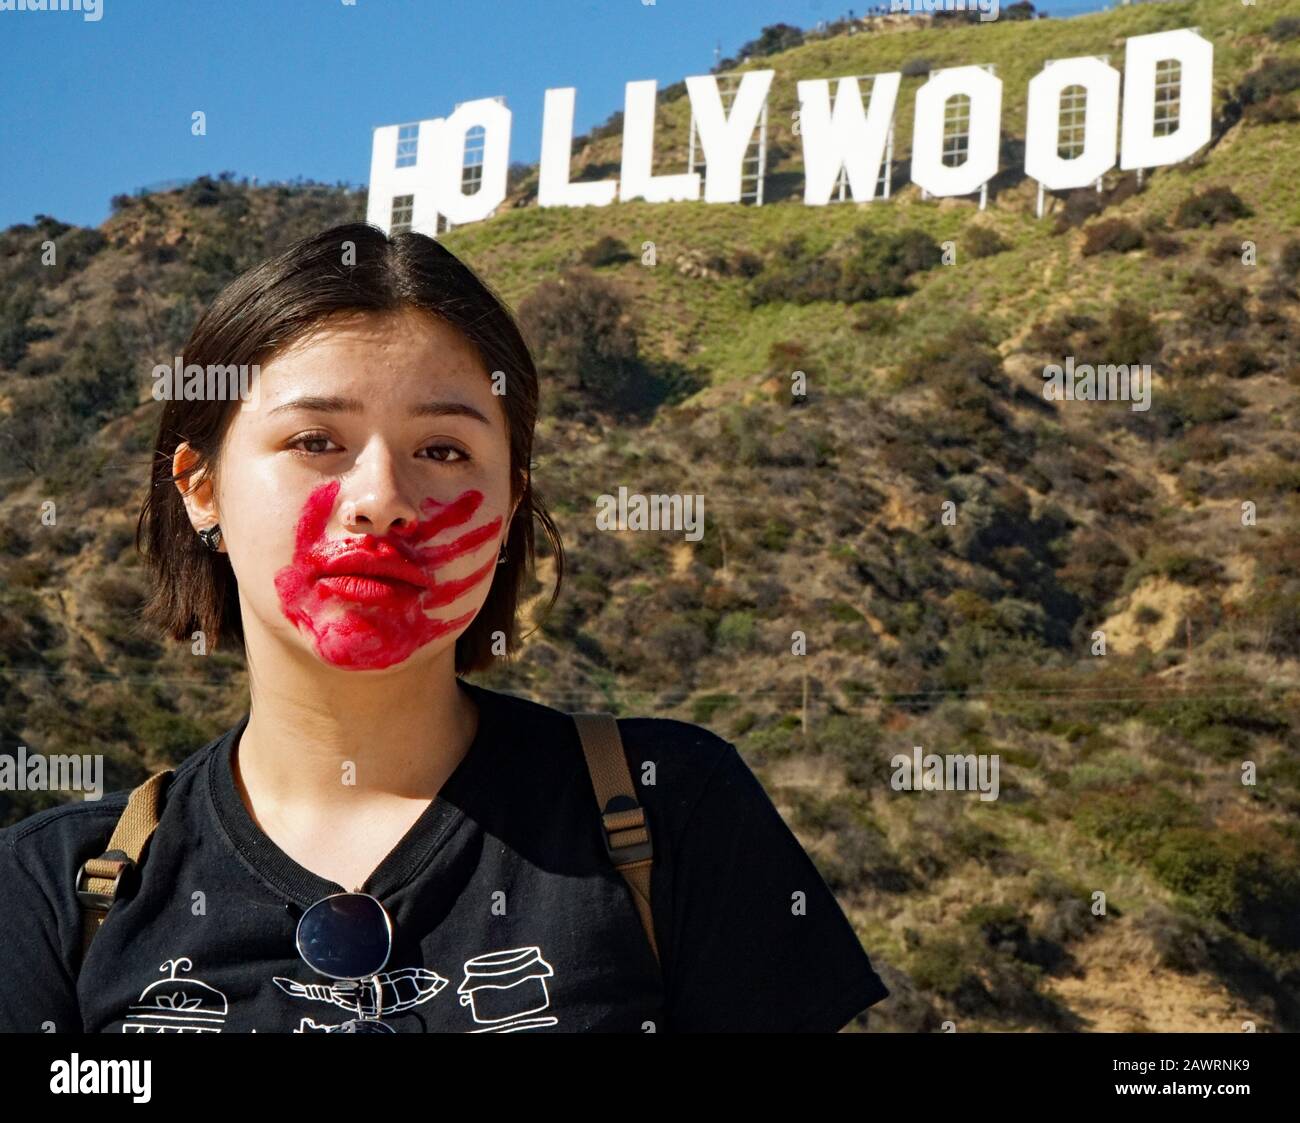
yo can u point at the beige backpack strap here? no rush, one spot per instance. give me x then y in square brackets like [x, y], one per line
[100, 879]
[627, 834]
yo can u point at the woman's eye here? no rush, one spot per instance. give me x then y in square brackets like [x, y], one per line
[460, 455]
[309, 439]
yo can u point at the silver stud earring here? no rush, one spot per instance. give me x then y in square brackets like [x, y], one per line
[502, 557]
[210, 536]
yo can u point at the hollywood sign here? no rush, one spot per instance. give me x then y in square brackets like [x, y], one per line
[418, 171]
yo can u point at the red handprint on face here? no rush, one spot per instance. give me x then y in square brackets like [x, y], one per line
[367, 600]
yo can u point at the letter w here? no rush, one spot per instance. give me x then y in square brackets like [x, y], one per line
[847, 138]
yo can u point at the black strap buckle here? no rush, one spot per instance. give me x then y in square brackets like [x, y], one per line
[631, 851]
[97, 900]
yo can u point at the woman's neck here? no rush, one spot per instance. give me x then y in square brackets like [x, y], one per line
[318, 736]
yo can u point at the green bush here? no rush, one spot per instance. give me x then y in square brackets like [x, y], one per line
[1275, 610]
[1209, 207]
[203, 192]
[1237, 360]
[868, 266]
[1285, 28]
[1111, 235]
[1214, 303]
[1241, 882]
[1188, 567]
[1117, 770]
[1180, 939]
[130, 639]
[76, 248]
[607, 251]
[736, 631]
[1128, 335]
[1134, 821]
[843, 612]
[583, 338]
[880, 264]
[970, 840]
[119, 595]
[1276, 76]
[775, 535]
[856, 743]
[28, 573]
[26, 635]
[772, 742]
[706, 706]
[1288, 261]
[743, 723]
[1080, 205]
[982, 241]
[1277, 110]
[1160, 244]
[18, 306]
[1218, 726]
[1056, 336]
[166, 734]
[942, 966]
[1195, 405]
[772, 40]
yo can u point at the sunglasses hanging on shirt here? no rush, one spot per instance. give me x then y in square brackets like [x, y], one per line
[349, 937]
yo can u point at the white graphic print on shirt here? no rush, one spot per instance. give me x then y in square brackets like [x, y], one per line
[502, 988]
[174, 1005]
[389, 992]
[505, 992]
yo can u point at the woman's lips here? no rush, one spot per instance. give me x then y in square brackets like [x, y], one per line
[367, 588]
[380, 575]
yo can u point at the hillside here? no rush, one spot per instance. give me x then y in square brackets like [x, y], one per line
[1121, 774]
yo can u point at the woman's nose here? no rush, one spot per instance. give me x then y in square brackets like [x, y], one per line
[376, 500]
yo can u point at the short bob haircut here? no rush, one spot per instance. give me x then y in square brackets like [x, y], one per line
[265, 310]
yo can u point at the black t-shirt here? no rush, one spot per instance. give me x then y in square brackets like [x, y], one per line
[507, 912]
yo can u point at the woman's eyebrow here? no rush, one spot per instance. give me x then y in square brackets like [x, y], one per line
[335, 404]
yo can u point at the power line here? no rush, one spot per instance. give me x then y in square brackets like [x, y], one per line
[1090, 695]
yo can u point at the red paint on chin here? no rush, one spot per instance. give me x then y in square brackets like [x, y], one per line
[368, 623]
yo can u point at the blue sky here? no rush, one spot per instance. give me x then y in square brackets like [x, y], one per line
[293, 87]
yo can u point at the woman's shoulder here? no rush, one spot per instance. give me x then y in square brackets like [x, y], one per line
[682, 745]
[45, 842]
[672, 762]
[52, 842]
[78, 817]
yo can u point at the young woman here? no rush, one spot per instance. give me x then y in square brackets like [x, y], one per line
[379, 845]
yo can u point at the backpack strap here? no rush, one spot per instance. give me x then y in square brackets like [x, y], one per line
[627, 834]
[99, 880]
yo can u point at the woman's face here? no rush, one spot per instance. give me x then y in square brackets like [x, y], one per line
[364, 499]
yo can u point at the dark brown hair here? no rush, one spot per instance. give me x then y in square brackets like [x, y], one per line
[271, 306]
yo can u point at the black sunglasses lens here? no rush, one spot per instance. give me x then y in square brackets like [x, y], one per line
[347, 936]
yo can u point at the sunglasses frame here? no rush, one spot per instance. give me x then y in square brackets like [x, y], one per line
[388, 925]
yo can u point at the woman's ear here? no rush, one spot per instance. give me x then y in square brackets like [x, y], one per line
[196, 489]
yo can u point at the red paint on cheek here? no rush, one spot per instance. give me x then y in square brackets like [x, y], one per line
[372, 636]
